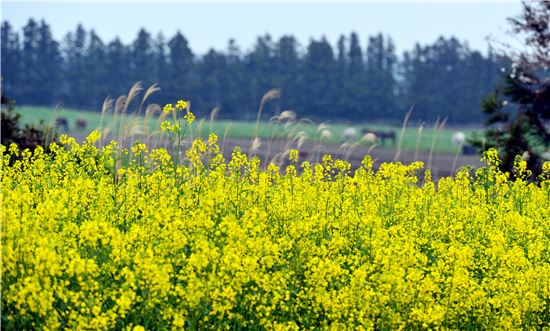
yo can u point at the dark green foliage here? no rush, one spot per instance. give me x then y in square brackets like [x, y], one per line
[448, 79]
[75, 67]
[181, 74]
[518, 112]
[354, 81]
[9, 121]
[11, 63]
[380, 80]
[26, 137]
[31, 65]
[96, 53]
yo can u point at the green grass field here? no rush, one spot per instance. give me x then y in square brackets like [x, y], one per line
[441, 139]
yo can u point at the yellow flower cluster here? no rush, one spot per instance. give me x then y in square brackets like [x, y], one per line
[138, 148]
[226, 245]
[168, 126]
[168, 108]
[189, 117]
[293, 155]
[180, 105]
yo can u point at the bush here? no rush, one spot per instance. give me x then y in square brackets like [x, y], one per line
[28, 136]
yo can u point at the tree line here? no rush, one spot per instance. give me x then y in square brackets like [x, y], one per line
[351, 81]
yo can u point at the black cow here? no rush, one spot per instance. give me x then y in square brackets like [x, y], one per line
[381, 135]
[81, 124]
[61, 122]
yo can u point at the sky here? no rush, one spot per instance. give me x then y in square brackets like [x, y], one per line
[211, 24]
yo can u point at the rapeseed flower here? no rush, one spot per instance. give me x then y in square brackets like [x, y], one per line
[89, 242]
[181, 105]
[168, 126]
[293, 155]
[189, 117]
[168, 108]
[138, 147]
[93, 137]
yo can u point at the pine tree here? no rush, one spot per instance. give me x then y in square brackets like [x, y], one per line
[142, 59]
[518, 113]
[75, 89]
[213, 81]
[118, 68]
[380, 82]
[181, 74]
[30, 67]
[287, 71]
[10, 60]
[237, 85]
[355, 84]
[261, 72]
[351, 83]
[319, 84]
[97, 76]
[161, 65]
[49, 66]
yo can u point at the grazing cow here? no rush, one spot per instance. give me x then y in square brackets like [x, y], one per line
[349, 134]
[61, 122]
[458, 138]
[81, 124]
[382, 135]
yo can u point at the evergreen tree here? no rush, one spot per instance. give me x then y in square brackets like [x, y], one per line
[450, 68]
[49, 65]
[355, 84]
[342, 58]
[75, 90]
[319, 85]
[355, 56]
[287, 71]
[95, 67]
[211, 73]
[10, 60]
[118, 68]
[142, 59]
[380, 78]
[261, 70]
[40, 63]
[518, 113]
[181, 74]
[341, 78]
[238, 86]
[30, 67]
[161, 65]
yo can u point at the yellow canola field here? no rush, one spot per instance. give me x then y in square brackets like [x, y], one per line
[115, 239]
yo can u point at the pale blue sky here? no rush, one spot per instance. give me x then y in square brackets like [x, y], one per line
[211, 24]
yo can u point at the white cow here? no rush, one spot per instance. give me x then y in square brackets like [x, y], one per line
[349, 134]
[458, 138]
